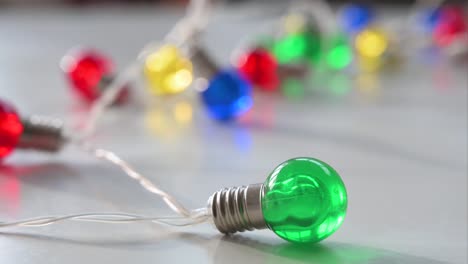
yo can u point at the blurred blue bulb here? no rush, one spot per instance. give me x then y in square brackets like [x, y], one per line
[356, 17]
[228, 95]
[430, 18]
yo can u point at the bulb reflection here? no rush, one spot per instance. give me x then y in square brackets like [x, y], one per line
[169, 119]
[10, 191]
[262, 114]
[293, 88]
[340, 85]
[368, 84]
[442, 78]
[369, 65]
[330, 83]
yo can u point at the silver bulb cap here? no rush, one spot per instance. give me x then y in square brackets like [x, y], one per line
[204, 65]
[42, 133]
[237, 209]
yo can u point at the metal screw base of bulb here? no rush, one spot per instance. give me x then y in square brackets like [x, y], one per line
[237, 209]
[42, 133]
[204, 64]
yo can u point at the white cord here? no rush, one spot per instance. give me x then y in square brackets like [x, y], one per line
[111, 157]
[186, 217]
[113, 218]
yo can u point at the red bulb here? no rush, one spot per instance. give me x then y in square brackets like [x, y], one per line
[88, 71]
[10, 129]
[452, 25]
[260, 68]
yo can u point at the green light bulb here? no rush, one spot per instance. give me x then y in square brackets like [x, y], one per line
[339, 53]
[296, 47]
[304, 200]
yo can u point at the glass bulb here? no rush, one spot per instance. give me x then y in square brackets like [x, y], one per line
[339, 53]
[297, 47]
[429, 18]
[451, 26]
[356, 17]
[88, 72]
[260, 68]
[304, 200]
[85, 70]
[228, 95]
[371, 43]
[11, 129]
[168, 71]
[294, 23]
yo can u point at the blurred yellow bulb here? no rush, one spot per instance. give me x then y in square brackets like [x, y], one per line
[168, 71]
[371, 43]
[294, 23]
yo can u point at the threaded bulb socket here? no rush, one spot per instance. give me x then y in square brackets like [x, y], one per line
[42, 133]
[237, 209]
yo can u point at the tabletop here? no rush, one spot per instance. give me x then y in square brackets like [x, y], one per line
[398, 138]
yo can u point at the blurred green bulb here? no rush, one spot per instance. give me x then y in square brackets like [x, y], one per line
[304, 200]
[296, 47]
[339, 53]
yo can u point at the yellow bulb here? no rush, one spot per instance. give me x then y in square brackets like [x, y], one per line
[168, 71]
[371, 43]
[294, 23]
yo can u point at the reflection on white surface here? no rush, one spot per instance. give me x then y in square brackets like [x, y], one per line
[10, 192]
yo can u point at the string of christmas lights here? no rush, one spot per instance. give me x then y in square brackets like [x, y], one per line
[309, 37]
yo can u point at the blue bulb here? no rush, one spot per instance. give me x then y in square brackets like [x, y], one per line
[356, 17]
[430, 18]
[228, 95]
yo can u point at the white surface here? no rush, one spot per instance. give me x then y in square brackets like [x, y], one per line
[401, 148]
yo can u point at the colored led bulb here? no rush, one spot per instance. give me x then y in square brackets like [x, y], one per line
[338, 54]
[371, 43]
[228, 95]
[88, 71]
[355, 17]
[298, 47]
[295, 23]
[430, 17]
[168, 71]
[11, 129]
[451, 26]
[303, 200]
[35, 132]
[260, 68]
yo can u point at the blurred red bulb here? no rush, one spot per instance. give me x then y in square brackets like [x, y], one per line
[260, 68]
[88, 71]
[11, 129]
[451, 26]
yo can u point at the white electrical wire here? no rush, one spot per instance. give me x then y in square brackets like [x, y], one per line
[186, 217]
[111, 157]
[113, 218]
